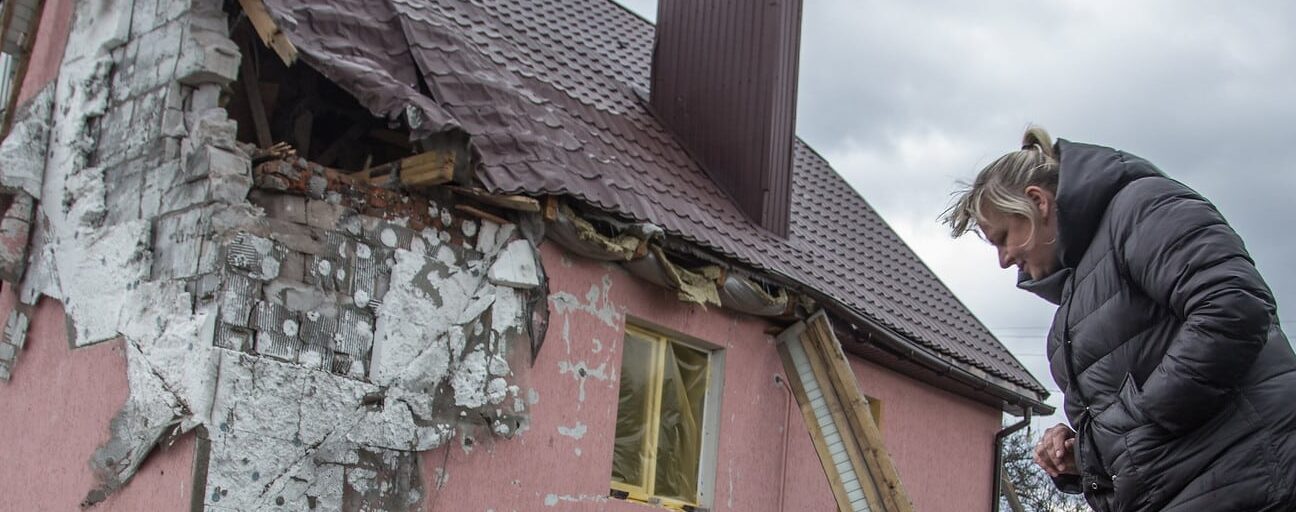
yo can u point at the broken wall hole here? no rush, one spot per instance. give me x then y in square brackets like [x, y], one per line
[296, 106]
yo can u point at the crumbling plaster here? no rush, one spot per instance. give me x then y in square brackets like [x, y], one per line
[315, 348]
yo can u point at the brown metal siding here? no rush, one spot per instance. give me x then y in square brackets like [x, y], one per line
[724, 80]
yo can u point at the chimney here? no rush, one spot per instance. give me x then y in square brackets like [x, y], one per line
[724, 79]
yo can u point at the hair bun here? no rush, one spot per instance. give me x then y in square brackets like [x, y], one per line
[1038, 138]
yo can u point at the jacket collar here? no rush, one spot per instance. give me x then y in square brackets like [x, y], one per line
[1049, 288]
[1089, 177]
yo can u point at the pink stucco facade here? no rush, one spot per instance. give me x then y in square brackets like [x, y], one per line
[60, 402]
[57, 406]
[941, 443]
[47, 49]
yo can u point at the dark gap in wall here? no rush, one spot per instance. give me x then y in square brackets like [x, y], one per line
[325, 124]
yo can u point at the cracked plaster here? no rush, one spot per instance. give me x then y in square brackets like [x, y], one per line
[181, 286]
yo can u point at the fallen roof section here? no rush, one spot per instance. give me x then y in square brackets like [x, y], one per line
[550, 93]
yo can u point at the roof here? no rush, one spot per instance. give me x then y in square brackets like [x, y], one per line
[552, 93]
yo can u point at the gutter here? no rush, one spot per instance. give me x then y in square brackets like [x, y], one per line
[996, 472]
[894, 342]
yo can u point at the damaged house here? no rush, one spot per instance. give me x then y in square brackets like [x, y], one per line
[459, 255]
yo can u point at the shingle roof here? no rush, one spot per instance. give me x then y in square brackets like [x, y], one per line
[550, 92]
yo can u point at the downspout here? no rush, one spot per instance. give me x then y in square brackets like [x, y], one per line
[787, 426]
[997, 471]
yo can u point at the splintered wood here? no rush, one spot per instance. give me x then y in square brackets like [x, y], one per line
[419, 171]
[269, 31]
[841, 424]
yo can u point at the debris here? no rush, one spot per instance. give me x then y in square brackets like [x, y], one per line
[516, 266]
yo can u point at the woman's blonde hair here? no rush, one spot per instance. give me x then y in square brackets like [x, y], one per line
[1001, 186]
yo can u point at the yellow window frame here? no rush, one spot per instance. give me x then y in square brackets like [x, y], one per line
[645, 493]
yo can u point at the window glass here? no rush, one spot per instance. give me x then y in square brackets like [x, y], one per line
[662, 403]
[680, 433]
[633, 408]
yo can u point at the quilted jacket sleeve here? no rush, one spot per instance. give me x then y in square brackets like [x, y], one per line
[1180, 251]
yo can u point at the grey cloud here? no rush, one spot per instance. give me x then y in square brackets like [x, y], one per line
[906, 97]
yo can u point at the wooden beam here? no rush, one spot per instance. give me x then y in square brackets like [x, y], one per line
[551, 208]
[482, 214]
[512, 202]
[427, 169]
[422, 170]
[812, 426]
[837, 408]
[1010, 492]
[819, 332]
[252, 88]
[269, 30]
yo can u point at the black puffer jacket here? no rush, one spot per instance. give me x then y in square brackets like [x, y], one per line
[1166, 345]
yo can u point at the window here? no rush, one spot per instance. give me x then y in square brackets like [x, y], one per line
[664, 416]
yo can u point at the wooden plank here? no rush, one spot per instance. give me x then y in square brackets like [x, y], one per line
[252, 88]
[867, 475]
[551, 208]
[859, 415]
[1010, 492]
[868, 446]
[512, 202]
[269, 30]
[812, 426]
[481, 214]
[427, 169]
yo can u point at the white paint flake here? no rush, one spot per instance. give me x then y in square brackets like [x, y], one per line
[576, 431]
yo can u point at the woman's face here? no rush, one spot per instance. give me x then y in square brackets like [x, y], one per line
[1032, 250]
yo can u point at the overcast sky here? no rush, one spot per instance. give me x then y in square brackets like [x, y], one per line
[905, 98]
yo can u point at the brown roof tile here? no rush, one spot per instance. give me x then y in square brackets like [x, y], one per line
[547, 89]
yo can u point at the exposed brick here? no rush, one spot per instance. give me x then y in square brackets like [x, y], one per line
[209, 161]
[177, 244]
[168, 10]
[114, 127]
[188, 195]
[209, 126]
[173, 124]
[124, 186]
[144, 17]
[207, 54]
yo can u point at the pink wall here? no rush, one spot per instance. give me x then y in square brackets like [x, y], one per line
[59, 403]
[56, 411]
[940, 442]
[47, 52]
[545, 468]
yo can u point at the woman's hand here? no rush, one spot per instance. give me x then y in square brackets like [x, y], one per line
[1055, 452]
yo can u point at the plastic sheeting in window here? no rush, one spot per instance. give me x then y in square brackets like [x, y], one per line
[630, 453]
[659, 418]
[679, 438]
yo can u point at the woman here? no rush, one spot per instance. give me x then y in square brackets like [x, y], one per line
[1179, 384]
